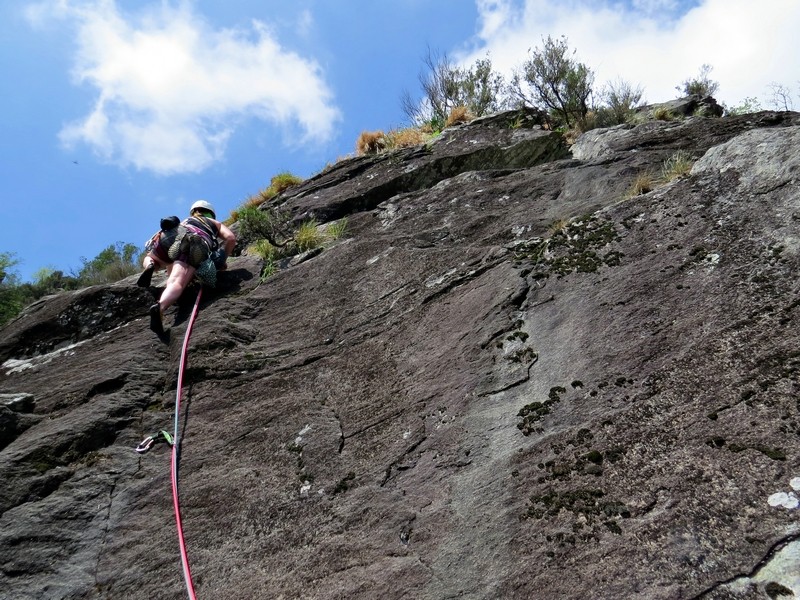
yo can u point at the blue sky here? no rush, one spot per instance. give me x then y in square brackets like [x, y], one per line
[120, 112]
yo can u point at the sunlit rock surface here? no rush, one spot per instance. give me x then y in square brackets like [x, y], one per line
[511, 378]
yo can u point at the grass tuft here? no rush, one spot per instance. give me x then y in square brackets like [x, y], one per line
[662, 113]
[644, 182]
[337, 229]
[264, 250]
[557, 226]
[677, 165]
[283, 181]
[460, 114]
[278, 184]
[407, 138]
[370, 142]
[308, 236]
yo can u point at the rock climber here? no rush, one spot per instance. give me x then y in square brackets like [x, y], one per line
[199, 241]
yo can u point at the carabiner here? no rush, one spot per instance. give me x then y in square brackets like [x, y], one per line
[146, 444]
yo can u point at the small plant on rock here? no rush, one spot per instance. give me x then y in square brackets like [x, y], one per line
[278, 184]
[264, 250]
[701, 85]
[663, 113]
[337, 229]
[677, 165]
[557, 226]
[283, 181]
[643, 183]
[370, 142]
[406, 138]
[460, 114]
[269, 254]
[307, 236]
[622, 98]
[746, 106]
[255, 224]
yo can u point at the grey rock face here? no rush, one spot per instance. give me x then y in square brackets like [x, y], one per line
[688, 106]
[511, 379]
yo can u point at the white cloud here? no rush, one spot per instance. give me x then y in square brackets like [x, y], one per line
[305, 23]
[171, 88]
[653, 43]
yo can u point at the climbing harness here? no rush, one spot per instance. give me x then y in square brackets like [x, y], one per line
[187, 575]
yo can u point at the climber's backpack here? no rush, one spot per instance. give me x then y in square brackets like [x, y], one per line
[171, 232]
[198, 242]
[195, 240]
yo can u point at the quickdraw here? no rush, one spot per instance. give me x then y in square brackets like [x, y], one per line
[148, 442]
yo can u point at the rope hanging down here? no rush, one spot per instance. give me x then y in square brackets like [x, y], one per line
[187, 575]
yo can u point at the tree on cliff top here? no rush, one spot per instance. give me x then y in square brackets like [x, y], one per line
[701, 85]
[447, 86]
[552, 79]
[11, 300]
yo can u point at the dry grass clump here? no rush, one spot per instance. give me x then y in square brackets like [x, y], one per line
[370, 142]
[663, 113]
[557, 226]
[277, 185]
[677, 165]
[406, 138]
[644, 182]
[460, 114]
[283, 181]
[374, 142]
[261, 196]
[233, 217]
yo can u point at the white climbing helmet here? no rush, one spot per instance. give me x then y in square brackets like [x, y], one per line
[202, 204]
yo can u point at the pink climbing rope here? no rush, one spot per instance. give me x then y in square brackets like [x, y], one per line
[187, 574]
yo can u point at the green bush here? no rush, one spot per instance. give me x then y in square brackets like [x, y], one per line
[553, 80]
[621, 99]
[11, 298]
[446, 86]
[748, 105]
[115, 262]
[257, 223]
[702, 84]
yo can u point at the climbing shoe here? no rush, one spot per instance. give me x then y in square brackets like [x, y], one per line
[156, 323]
[146, 277]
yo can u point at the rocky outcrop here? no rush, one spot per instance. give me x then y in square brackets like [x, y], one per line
[511, 379]
[694, 105]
